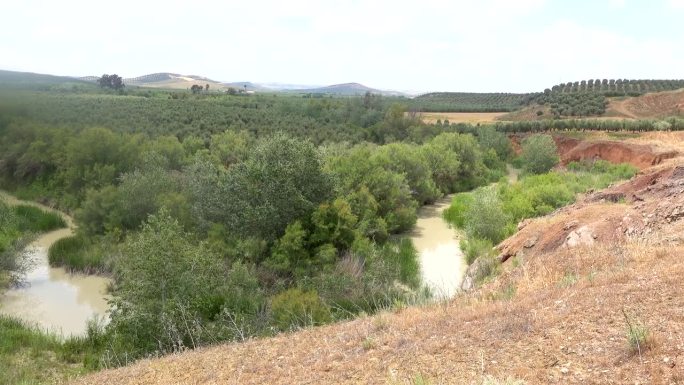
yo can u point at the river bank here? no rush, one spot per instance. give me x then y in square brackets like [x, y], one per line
[51, 298]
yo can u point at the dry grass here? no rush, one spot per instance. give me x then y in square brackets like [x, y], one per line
[461, 117]
[552, 315]
[544, 333]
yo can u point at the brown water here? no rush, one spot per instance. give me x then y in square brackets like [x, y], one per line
[50, 297]
[441, 260]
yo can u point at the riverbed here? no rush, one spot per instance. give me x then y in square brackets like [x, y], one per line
[52, 298]
[441, 261]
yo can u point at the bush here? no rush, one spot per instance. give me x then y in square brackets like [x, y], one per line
[539, 154]
[295, 308]
[485, 217]
[474, 248]
[456, 213]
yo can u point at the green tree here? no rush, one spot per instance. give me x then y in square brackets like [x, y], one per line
[169, 288]
[113, 81]
[281, 181]
[539, 154]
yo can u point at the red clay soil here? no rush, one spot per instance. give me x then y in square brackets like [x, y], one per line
[638, 155]
[650, 203]
[615, 151]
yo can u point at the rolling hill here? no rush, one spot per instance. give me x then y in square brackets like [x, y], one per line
[30, 79]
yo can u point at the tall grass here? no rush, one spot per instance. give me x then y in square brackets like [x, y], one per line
[402, 255]
[29, 355]
[33, 219]
[75, 253]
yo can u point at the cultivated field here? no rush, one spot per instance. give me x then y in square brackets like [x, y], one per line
[461, 117]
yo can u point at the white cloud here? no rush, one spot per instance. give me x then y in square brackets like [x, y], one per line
[490, 45]
[678, 4]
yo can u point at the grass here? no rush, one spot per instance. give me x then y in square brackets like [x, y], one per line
[568, 280]
[75, 253]
[33, 219]
[638, 335]
[31, 356]
[403, 255]
[489, 380]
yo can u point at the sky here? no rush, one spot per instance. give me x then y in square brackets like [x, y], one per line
[428, 45]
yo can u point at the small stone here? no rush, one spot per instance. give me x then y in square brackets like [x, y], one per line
[564, 370]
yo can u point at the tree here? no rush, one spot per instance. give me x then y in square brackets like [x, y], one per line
[206, 87]
[196, 88]
[166, 286]
[539, 154]
[281, 181]
[113, 81]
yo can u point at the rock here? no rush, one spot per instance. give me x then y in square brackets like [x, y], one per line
[530, 242]
[467, 284]
[678, 173]
[581, 236]
[571, 225]
[523, 223]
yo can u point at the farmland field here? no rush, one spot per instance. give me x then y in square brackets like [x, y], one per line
[461, 117]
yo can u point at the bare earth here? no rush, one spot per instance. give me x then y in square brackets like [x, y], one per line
[554, 315]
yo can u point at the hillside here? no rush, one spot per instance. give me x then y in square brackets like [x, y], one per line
[648, 106]
[31, 80]
[572, 285]
[340, 89]
[652, 105]
[469, 102]
[171, 80]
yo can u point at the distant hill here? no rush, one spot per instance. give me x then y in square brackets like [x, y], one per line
[31, 80]
[249, 86]
[340, 89]
[172, 81]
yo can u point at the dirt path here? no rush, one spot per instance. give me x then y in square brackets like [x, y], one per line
[620, 106]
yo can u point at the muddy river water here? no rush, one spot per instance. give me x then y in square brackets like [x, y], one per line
[52, 298]
[441, 260]
[62, 302]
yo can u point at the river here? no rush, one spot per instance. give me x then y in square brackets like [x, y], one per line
[52, 298]
[441, 260]
[62, 302]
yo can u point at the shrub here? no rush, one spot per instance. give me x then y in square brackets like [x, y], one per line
[295, 308]
[455, 214]
[485, 217]
[474, 248]
[539, 154]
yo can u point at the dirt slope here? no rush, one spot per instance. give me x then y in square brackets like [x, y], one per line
[555, 314]
[638, 155]
[651, 105]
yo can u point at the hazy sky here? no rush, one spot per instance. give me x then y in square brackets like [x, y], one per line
[486, 45]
